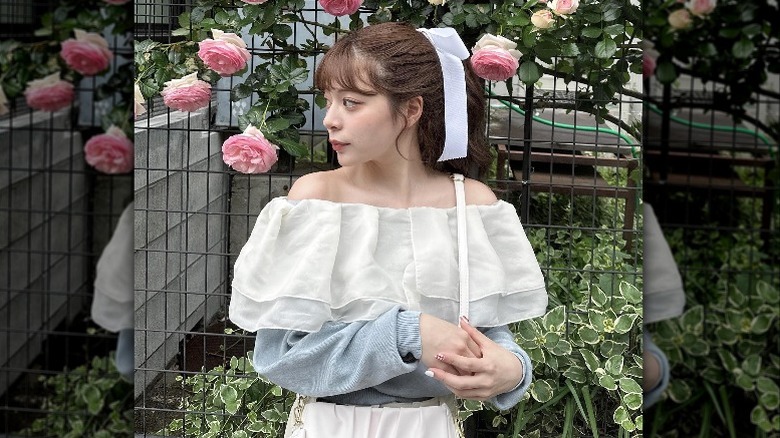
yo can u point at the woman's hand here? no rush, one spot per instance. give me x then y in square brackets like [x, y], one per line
[438, 335]
[479, 378]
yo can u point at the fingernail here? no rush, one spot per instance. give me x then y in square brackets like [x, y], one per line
[429, 373]
[440, 356]
[465, 318]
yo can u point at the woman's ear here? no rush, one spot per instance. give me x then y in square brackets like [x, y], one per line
[413, 110]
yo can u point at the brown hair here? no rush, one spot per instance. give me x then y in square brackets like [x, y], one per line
[401, 63]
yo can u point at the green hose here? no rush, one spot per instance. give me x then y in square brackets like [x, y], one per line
[631, 142]
[720, 128]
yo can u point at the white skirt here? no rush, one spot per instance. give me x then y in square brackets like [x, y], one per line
[428, 419]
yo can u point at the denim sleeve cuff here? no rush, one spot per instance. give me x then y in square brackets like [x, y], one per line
[408, 334]
[508, 399]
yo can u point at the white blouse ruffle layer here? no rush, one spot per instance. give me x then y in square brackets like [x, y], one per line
[312, 261]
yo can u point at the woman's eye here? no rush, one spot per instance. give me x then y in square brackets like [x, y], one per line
[348, 103]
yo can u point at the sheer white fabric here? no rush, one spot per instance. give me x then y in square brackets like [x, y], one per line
[314, 261]
[664, 296]
[112, 305]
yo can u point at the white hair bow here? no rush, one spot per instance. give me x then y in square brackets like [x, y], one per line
[451, 52]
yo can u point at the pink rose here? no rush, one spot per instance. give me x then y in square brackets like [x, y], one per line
[341, 7]
[680, 19]
[564, 7]
[494, 64]
[249, 152]
[225, 54]
[701, 8]
[116, 2]
[49, 94]
[254, 2]
[649, 57]
[187, 94]
[111, 152]
[88, 54]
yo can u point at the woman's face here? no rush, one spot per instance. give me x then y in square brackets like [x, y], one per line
[361, 127]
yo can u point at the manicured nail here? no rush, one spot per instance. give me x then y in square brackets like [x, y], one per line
[429, 373]
[440, 357]
[465, 318]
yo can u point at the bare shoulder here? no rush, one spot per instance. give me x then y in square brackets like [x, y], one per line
[478, 192]
[310, 186]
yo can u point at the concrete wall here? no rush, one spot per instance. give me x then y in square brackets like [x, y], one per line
[44, 244]
[181, 199]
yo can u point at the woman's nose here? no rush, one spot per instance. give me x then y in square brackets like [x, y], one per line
[330, 121]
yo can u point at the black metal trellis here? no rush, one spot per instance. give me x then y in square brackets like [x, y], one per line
[56, 215]
[555, 175]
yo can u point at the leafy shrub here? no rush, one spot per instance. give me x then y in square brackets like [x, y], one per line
[90, 401]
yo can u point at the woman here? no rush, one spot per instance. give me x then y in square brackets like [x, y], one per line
[353, 282]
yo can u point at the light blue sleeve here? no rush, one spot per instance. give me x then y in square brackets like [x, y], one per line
[503, 336]
[339, 359]
[344, 358]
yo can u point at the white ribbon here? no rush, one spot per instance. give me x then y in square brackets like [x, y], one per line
[451, 52]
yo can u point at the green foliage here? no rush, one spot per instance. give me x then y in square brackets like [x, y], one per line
[22, 62]
[232, 402]
[723, 349]
[90, 401]
[599, 65]
[734, 45]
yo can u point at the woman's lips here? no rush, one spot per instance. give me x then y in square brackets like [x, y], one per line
[337, 145]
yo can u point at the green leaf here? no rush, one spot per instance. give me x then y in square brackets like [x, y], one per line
[541, 390]
[761, 324]
[624, 323]
[632, 400]
[591, 360]
[608, 382]
[726, 335]
[630, 292]
[696, 347]
[598, 296]
[767, 292]
[727, 359]
[591, 32]
[743, 48]
[679, 391]
[605, 48]
[766, 385]
[588, 335]
[576, 373]
[614, 365]
[554, 319]
[666, 72]
[275, 125]
[752, 365]
[529, 72]
[693, 319]
[610, 348]
[562, 348]
[771, 401]
[629, 385]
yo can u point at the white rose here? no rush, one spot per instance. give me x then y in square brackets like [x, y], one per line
[500, 42]
[680, 19]
[138, 100]
[44, 82]
[543, 19]
[186, 81]
[228, 38]
[3, 102]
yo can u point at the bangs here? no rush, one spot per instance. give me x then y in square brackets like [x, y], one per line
[342, 67]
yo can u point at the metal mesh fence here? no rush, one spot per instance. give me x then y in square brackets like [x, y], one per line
[711, 175]
[574, 182]
[56, 215]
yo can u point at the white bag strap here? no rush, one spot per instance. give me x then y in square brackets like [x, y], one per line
[463, 250]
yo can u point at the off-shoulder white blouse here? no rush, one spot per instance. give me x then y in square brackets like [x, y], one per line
[312, 261]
